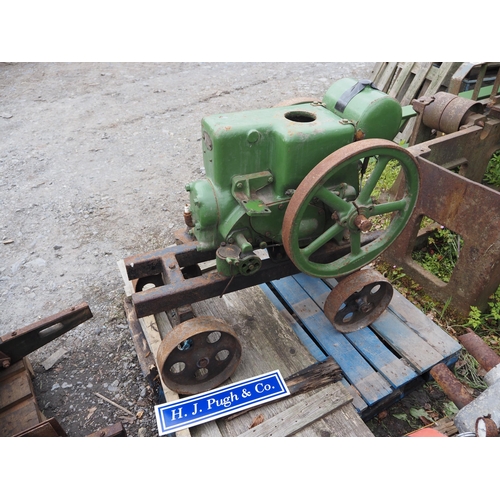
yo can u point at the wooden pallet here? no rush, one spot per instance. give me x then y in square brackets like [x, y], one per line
[268, 343]
[383, 362]
[405, 81]
[19, 411]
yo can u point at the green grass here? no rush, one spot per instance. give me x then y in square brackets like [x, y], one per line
[492, 175]
[439, 256]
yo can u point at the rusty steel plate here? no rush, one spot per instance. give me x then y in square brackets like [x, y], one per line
[198, 355]
[358, 300]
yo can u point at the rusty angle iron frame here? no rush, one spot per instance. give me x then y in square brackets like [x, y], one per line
[176, 285]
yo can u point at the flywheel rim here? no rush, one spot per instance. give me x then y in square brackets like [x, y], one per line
[312, 186]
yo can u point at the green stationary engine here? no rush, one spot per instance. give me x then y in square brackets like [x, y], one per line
[302, 175]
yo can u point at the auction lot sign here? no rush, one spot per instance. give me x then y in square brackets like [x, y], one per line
[201, 408]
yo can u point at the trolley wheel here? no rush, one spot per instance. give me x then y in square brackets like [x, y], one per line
[358, 300]
[198, 355]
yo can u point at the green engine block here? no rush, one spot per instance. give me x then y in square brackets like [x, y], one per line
[256, 160]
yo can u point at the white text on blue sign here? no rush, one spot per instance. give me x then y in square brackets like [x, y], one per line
[201, 408]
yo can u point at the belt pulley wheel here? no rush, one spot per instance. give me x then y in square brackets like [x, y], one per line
[351, 218]
[198, 355]
[358, 300]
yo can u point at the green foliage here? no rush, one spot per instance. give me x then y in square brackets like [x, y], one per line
[440, 254]
[475, 319]
[489, 319]
[492, 175]
[450, 409]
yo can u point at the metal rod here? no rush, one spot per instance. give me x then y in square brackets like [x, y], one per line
[451, 386]
[476, 346]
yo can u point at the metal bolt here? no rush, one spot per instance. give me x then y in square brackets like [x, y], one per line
[239, 185]
[362, 223]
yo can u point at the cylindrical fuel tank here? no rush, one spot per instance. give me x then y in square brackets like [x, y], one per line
[373, 113]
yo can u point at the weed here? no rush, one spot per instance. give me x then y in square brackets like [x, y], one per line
[466, 370]
[441, 253]
[492, 175]
[488, 320]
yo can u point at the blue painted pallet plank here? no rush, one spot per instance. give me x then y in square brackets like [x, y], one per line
[406, 342]
[422, 355]
[394, 369]
[371, 385]
[364, 340]
[357, 401]
[435, 336]
[306, 340]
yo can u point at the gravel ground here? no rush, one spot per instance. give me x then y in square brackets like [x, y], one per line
[94, 158]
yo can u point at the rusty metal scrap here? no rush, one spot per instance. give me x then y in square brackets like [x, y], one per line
[476, 346]
[451, 386]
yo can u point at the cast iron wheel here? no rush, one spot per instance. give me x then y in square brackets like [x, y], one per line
[350, 218]
[358, 300]
[198, 355]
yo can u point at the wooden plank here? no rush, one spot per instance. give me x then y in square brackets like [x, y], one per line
[442, 74]
[115, 430]
[301, 415]
[47, 428]
[377, 70]
[365, 340]
[406, 342]
[415, 85]
[343, 422]
[385, 78]
[401, 79]
[19, 417]
[14, 389]
[394, 369]
[369, 383]
[306, 340]
[414, 318]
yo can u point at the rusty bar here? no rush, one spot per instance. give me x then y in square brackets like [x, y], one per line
[213, 284]
[451, 386]
[150, 263]
[476, 346]
[24, 341]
